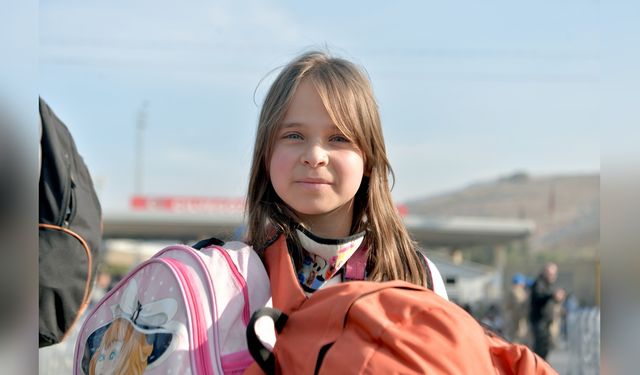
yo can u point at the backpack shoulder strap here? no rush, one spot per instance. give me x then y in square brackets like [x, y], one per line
[285, 289]
[356, 266]
[427, 269]
[208, 242]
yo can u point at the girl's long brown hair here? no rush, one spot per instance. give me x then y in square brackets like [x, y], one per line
[347, 95]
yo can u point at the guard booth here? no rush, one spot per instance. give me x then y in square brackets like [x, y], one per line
[466, 281]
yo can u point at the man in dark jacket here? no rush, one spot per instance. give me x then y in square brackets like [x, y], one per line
[544, 296]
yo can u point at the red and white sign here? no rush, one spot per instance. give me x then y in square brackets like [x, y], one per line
[201, 204]
[187, 204]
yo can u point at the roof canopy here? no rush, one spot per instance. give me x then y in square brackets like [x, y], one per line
[429, 231]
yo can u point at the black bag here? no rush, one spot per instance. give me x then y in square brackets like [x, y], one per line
[70, 231]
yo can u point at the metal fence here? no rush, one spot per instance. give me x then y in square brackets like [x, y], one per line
[583, 336]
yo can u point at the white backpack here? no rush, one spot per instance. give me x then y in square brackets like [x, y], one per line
[184, 311]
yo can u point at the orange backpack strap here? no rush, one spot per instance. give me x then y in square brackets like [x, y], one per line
[285, 289]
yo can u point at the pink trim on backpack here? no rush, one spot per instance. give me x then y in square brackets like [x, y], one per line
[198, 334]
[236, 362]
[356, 266]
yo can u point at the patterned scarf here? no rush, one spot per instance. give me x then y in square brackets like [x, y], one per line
[324, 257]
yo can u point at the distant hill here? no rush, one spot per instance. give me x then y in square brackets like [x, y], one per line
[566, 208]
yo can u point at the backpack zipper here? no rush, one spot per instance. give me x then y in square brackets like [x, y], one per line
[72, 206]
[201, 357]
[65, 210]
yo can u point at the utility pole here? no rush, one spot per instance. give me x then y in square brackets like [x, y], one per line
[141, 124]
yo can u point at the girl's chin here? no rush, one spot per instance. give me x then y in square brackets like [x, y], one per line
[310, 208]
[316, 213]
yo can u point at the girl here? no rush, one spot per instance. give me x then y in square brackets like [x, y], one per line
[319, 181]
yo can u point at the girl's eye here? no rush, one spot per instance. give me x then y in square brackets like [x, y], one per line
[292, 136]
[112, 355]
[340, 138]
[101, 357]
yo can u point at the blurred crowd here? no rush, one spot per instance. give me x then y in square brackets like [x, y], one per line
[533, 312]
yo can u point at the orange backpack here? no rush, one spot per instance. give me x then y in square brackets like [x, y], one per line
[362, 327]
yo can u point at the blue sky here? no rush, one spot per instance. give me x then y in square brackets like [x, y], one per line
[468, 90]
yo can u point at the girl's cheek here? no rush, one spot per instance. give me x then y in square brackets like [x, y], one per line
[281, 160]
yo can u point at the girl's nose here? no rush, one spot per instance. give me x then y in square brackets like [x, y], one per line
[315, 156]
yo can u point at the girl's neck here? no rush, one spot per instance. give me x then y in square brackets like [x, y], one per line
[334, 224]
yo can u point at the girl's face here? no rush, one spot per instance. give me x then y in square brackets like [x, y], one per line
[314, 168]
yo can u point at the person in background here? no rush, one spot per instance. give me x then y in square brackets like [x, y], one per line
[544, 298]
[517, 309]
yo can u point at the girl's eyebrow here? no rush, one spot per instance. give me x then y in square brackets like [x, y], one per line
[295, 124]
